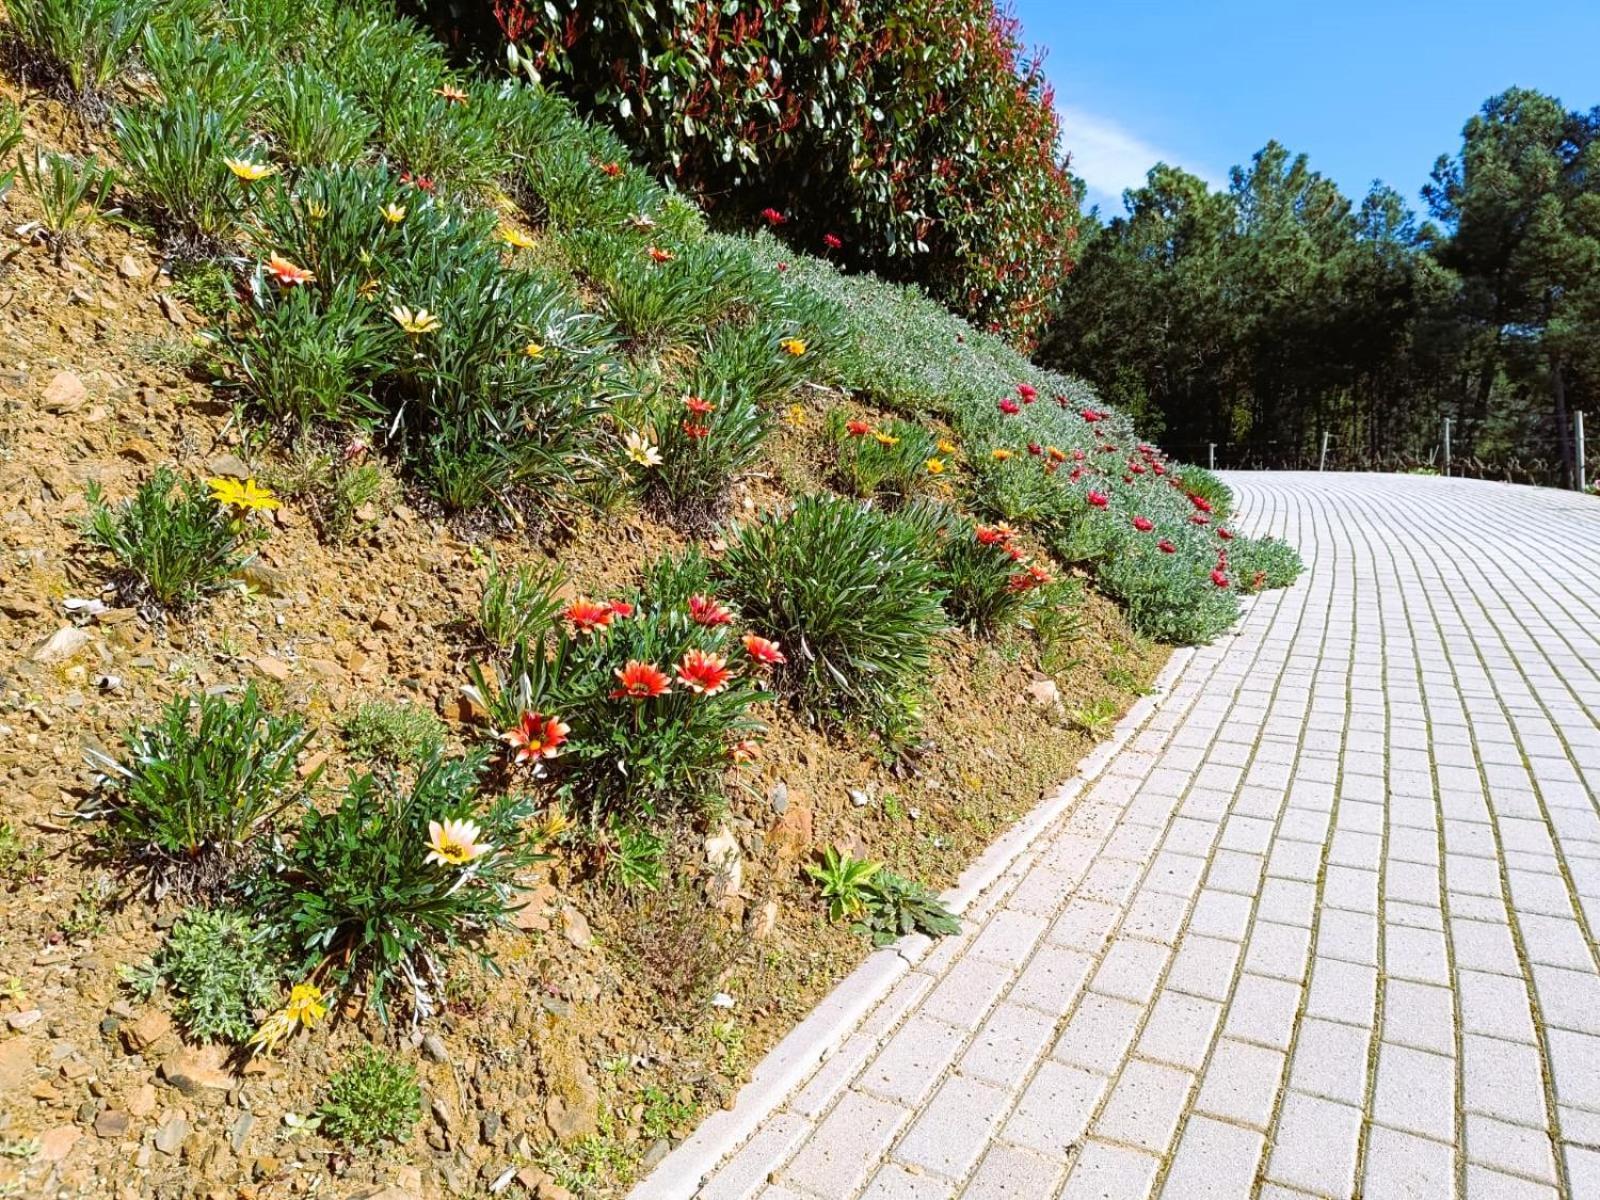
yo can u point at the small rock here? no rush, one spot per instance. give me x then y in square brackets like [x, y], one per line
[722, 1000]
[129, 268]
[150, 1028]
[1042, 692]
[55, 1144]
[859, 798]
[239, 1136]
[64, 393]
[575, 928]
[433, 1046]
[143, 1101]
[201, 1073]
[725, 859]
[230, 466]
[112, 1124]
[170, 310]
[171, 1136]
[22, 1020]
[139, 450]
[388, 621]
[269, 581]
[61, 645]
[763, 920]
[273, 668]
[779, 797]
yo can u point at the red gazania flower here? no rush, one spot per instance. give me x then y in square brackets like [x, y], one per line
[995, 535]
[743, 751]
[536, 736]
[585, 616]
[1199, 519]
[763, 651]
[1166, 547]
[1136, 467]
[1077, 474]
[1158, 468]
[286, 274]
[658, 255]
[782, 267]
[1143, 524]
[1091, 416]
[1224, 534]
[773, 217]
[1014, 553]
[1078, 455]
[857, 428]
[417, 181]
[690, 429]
[1219, 577]
[1027, 392]
[620, 608]
[1099, 499]
[1020, 582]
[1258, 581]
[1010, 407]
[1035, 449]
[1200, 502]
[641, 681]
[611, 169]
[704, 610]
[832, 241]
[698, 406]
[706, 674]
[1127, 478]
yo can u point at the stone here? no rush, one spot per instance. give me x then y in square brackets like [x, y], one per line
[859, 798]
[1042, 692]
[239, 1135]
[726, 861]
[200, 1072]
[763, 919]
[138, 1036]
[142, 1101]
[64, 393]
[791, 834]
[112, 1124]
[229, 466]
[24, 1020]
[779, 797]
[575, 928]
[170, 310]
[269, 581]
[55, 1144]
[433, 1046]
[139, 450]
[61, 646]
[273, 668]
[172, 1134]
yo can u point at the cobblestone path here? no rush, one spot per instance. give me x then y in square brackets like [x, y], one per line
[1324, 925]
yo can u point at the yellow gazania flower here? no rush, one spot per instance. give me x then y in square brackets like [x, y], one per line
[415, 323]
[935, 466]
[394, 213]
[304, 1009]
[533, 350]
[947, 447]
[316, 210]
[552, 825]
[369, 290]
[450, 95]
[793, 345]
[515, 238]
[884, 439]
[455, 843]
[1000, 455]
[641, 451]
[796, 415]
[249, 171]
[245, 495]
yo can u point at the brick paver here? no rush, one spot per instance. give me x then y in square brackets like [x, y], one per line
[1323, 926]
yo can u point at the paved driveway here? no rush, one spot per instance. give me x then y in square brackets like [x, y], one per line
[1323, 926]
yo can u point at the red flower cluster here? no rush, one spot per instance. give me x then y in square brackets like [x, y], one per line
[704, 610]
[1098, 498]
[536, 736]
[1010, 407]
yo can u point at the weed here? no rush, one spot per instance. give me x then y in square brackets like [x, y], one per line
[518, 604]
[676, 944]
[78, 45]
[373, 1098]
[1096, 717]
[845, 882]
[71, 194]
[398, 734]
[896, 907]
[223, 971]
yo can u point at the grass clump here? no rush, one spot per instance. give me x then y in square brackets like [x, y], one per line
[72, 194]
[852, 595]
[198, 787]
[387, 731]
[173, 540]
[77, 46]
[374, 1098]
[517, 604]
[222, 970]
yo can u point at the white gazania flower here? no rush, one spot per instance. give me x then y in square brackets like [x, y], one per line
[415, 323]
[641, 451]
[455, 843]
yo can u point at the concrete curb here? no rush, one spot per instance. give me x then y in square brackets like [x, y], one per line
[812, 1042]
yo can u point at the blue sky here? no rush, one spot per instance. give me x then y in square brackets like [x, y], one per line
[1368, 90]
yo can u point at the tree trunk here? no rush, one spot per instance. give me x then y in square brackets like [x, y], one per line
[1558, 393]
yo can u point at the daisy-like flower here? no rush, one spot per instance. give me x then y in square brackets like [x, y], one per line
[832, 241]
[244, 495]
[369, 289]
[249, 171]
[1166, 547]
[695, 432]
[1224, 534]
[515, 238]
[417, 181]
[763, 650]
[772, 217]
[934, 466]
[1000, 454]
[1219, 577]
[533, 350]
[994, 535]
[1199, 519]
[587, 616]
[1099, 499]
[642, 221]
[415, 323]
[641, 681]
[393, 213]
[743, 751]
[1028, 393]
[698, 406]
[611, 170]
[455, 843]
[1010, 407]
[857, 429]
[793, 346]
[536, 736]
[946, 447]
[620, 608]
[1200, 502]
[796, 415]
[640, 450]
[702, 673]
[286, 274]
[658, 255]
[1091, 416]
[304, 1009]
[1143, 524]
[884, 439]
[450, 94]
[704, 610]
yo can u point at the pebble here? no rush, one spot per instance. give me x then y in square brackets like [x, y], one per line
[859, 798]
[22, 1020]
[171, 1136]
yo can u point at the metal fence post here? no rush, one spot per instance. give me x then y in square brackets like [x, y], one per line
[1322, 463]
[1577, 430]
[1447, 445]
[1211, 448]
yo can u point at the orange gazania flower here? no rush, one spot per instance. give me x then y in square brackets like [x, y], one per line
[857, 428]
[286, 274]
[450, 94]
[691, 430]
[999, 454]
[657, 254]
[611, 169]
[763, 650]
[743, 751]
[641, 681]
[585, 616]
[536, 736]
[995, 535]
[698, 406]
[1056, 455]
[704, 610]
[620, 608]
[706, 674]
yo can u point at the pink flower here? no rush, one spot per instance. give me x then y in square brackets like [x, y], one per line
[704, 610]
[832, 241]
[1027, 392]
[1010, 407]
[773, 217]
[1099, 499]
[1143, 524]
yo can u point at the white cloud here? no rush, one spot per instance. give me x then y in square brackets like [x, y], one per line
[1110, 159]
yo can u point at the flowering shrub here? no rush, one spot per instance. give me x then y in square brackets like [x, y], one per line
[988, 580]
[374, 896]
[633, 708]
[706, 436]
[888, 459]
[198, 787]
[916, 139]
[853, 597]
